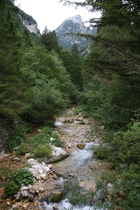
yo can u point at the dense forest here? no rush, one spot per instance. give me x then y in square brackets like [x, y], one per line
[39, 79]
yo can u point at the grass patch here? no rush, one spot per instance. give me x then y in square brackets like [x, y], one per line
[56, 142]
[76, 195]
[43, 151]
[42, 139]
[22, 149]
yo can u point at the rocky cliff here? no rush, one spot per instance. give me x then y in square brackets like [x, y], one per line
[29, 22]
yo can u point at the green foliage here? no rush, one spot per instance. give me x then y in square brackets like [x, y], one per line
[43, 151]
[36, 144]
[55, 135]
[102, 152]
[49, 40]
[11, 188]
[112, 93]
[80, 108]
[22, 149]
[56, 198]
[75, 194]
[14, 98]
[48, 84]
[6, 172]
[20, 176]
[130, 181]
[75, 69]
[123, 148]
[111, 102]
[18, 135]
[42, 138]
[123, 153]
[26, 16]
[34, 83]
[126, 144]
[56, 142]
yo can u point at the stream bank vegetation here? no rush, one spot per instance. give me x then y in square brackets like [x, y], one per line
[39, 146]
[16, 178]
[76, 195]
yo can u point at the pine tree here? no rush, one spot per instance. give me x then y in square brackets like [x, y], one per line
[13, 99]
[75, 68]
[49, 40]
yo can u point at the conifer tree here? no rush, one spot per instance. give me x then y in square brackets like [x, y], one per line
[13, 99]
[49, 40]
[75, 68]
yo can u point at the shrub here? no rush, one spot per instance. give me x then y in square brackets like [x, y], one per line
[11, 188]
[22, 149]
[41, 139]
[18, 136]
[76, 196]
[102, 152]
[124, 154]
[43, 151]
[126, 144]
[20, 176]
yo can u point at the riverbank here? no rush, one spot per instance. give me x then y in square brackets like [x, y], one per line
[73, 131]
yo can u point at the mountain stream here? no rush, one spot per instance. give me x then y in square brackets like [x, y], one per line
[82, 164]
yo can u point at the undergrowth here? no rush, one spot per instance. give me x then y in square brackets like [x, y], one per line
[76, 195]
[18, 177]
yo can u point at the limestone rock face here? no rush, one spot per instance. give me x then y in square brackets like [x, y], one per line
[29, 22]
[32, 27]
[73, 24]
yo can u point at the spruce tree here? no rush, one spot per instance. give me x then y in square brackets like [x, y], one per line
[75, 69]
[13, 99]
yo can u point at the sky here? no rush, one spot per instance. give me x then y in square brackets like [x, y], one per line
[51, 13]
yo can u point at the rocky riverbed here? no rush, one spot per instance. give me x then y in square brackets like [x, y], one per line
[49, 177]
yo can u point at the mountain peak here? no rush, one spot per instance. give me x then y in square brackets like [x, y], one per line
[75, 19]
[72, 25]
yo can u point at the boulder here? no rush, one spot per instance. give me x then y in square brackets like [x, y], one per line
[39, 170]
[56, 198]
[57, 154]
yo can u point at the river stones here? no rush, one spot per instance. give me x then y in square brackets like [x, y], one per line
[56, 198]
[58, 154]
[80, 146]
[68, 120]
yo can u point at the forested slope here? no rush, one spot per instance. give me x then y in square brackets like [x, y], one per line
[34, 82]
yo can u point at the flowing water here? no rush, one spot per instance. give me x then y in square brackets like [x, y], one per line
[82, 163]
